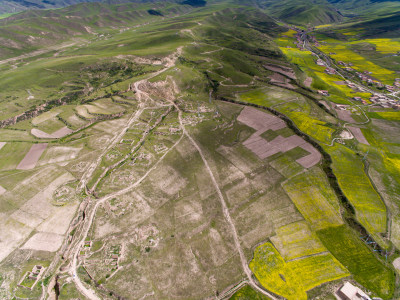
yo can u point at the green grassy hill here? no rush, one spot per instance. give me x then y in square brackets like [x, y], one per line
[32, 30]
[302, 12]
[12, 6]
[362, 7]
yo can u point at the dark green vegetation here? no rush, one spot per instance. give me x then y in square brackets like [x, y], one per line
[302, 12]
[359, 260]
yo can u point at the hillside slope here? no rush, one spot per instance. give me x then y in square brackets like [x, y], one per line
[35, 29]
[313, 12]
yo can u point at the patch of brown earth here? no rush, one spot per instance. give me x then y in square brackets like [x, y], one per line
[262, 122]
[282, 70]
[31, 158]
[358, 135]
[44, 241]
[55, 135]
[345, 115]
[259, 120]
[308, 81]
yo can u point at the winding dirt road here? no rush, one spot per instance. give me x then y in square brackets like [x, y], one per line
[141, 95]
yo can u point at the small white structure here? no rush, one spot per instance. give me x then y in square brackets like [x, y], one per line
[351, 292]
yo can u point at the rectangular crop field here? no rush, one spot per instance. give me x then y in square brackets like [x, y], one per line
[292, 279]
[370, 210]
[314, 198]
[296, 240]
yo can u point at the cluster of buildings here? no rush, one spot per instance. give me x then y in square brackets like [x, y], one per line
[384, 101]
[395, 87]
[380, 100]
[330, 71]
[347, 66]
[352, 85]
[299, 42]
[314, 40]
[365, 77]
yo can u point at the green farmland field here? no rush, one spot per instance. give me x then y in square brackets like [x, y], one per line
[292, 279]
[359, 260]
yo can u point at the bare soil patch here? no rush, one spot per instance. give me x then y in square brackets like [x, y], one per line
[358, 134]
[11, 234]
[2, 144]
[324, 103]
[31, 158]
[310, 160]
[2, 190]
[55, 135]
[59, 220]
[396, 264]
[262, 148]
[345, 115]
[259, 120]
[59, 155]
[44, 241]
[283, 70]
[308, 81]
[340, 82]
[281, 80]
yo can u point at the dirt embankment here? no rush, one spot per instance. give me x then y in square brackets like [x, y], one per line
[34, 112]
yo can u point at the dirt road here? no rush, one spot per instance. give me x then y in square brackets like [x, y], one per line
[225, 211]
[141, 96]
[37, 52]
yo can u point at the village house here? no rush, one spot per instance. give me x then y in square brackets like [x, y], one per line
[351, 292]
[330, 71]
[352, 86]
[357, 98]
[341, 107]
[323, 92]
